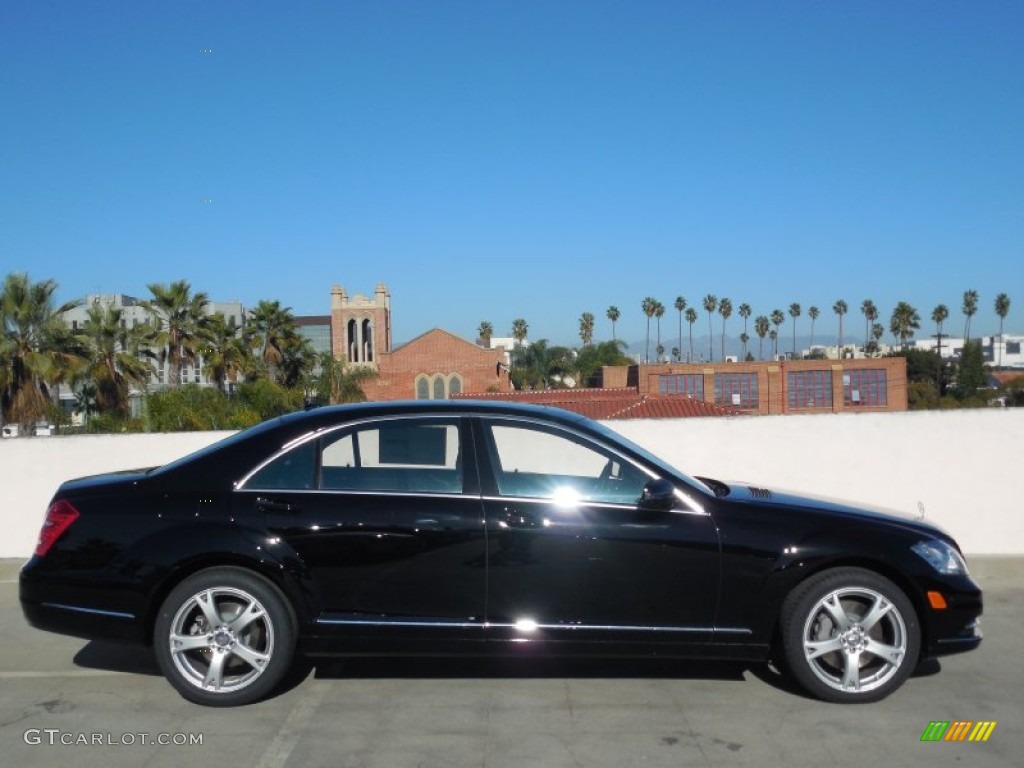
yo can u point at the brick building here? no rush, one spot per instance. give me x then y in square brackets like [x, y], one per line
[433, 366]
[790, 386]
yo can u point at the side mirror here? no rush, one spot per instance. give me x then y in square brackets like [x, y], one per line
[659, 495]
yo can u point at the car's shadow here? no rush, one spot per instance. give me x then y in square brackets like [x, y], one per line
[113, 657]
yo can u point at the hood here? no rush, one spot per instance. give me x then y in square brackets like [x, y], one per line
[747, 493]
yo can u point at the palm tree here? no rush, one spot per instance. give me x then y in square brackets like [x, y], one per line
[659, 312]
[773, 336]
[587, 328]
[870, 312]
[648, 306]
[1002, 310]
[777, 320]
[840, 309]
[335, 381]
[761, 329]
[970, 306]
[710, 304]
[725, 310]
[485, 331]
[178, 316]
[877, 332]
[903, 322]
[613, 314]
[794, 312]
[225, 355]
[744, 338]
[36, 350]
[676, 354]
[691, 318]
[519, 331]
[745, 312]
[114, 355]
[680, 305]
[274, 335]
[939, 315]
[814, 313]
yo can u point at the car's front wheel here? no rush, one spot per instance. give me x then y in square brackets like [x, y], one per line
[224, 637]
[849, 635]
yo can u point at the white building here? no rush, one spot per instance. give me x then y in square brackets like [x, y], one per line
[1002, 351]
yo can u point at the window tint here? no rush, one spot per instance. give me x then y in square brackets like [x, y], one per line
[532, 461]
[291, 470]
[413, 455]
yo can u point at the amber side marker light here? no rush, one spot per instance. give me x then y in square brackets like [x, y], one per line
[59, 517]
[938, 602]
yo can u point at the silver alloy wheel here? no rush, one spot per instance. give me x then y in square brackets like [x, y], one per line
[855, 639]
[221, 639]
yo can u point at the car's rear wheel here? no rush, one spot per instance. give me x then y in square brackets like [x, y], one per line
[224, 637]
[849, 635]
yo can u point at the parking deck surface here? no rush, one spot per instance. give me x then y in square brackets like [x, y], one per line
[63, 699]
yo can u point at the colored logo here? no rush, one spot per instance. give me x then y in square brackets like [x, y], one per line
[958, 730]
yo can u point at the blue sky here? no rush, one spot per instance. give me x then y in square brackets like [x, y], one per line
[494, 160]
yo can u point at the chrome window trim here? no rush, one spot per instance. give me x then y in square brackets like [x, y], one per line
[318, 433]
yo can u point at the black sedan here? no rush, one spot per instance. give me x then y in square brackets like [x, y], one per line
[474, 528]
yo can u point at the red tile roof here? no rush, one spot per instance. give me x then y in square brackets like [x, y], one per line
[620, 403]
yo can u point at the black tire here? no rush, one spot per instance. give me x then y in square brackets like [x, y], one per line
[849, 635]
[224, 637]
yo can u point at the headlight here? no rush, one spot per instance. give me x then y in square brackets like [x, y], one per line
[941, 556]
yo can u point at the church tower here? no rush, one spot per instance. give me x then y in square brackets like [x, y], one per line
[360, 325]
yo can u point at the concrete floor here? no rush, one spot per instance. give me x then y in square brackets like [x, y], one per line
[497, 713]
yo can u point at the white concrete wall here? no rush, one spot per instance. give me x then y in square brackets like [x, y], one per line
[961, 465]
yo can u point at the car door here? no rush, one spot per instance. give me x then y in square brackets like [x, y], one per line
[572, 555]
[385, 516]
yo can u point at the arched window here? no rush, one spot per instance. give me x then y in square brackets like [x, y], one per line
[439, 391]
[367, 329]
[454, 384]
[352, 342]
[422, 387]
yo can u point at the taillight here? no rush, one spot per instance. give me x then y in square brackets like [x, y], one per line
[58, 517]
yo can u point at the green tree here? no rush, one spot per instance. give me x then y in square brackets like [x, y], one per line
[814, 313]
[1002, 306]
[939, 315]
[969, 308]
[485, 331]
[116, 357]
[761, 324]
[587, 328]
[870, 312]
[970, 375]
[36, 348]
[680, 305]
[590, 360]
[794, 312]
[178, 317]
[225, 354]
[659, 312]
[648, 306]
[335, 381]
[725, 310]
[710, 304]
[691, 318]
[519, 330]
[613, 314]
[275, 337]
[777, 320]
[745, 312]
[903, 322]
[840, 308]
